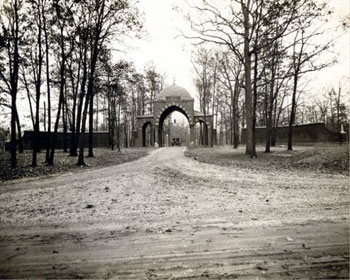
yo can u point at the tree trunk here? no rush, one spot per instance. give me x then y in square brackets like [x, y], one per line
[72, 137]
[235, 114]
[226, 129]
[221, 136]
[274, 126]
[205, 130]
[118, 128]
[96, 119]
[126, 132]
[269, 109]
[13, 145]
[64, 122]
[75, 87]
[60, 100]
[29, 97]
[14, 85]
[111, 120]
[20, 142]
[255, 99]
[48, 133]
[38, 93]
[93, 60]
[250, 149]
[133, 121]
[213, 108]
[216, 122]
[45, 117]
[81, 138]
[74, 150]
[91, 126]
[231, 125]
[36, 139]
[268, 130]
[235, 130]
[292, 114]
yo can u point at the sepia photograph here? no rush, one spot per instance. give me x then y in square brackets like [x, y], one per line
[174, 139]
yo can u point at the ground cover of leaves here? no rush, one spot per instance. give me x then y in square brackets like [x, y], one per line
[323, 158]
[64, 163]
[165, 216]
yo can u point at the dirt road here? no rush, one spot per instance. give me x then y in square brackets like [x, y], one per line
[165, 216]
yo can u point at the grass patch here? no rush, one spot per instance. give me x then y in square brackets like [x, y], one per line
[327, 158]
[64, 163]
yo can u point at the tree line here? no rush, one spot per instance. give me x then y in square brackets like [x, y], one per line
[252, 60]
[59, 53]
[251, 57]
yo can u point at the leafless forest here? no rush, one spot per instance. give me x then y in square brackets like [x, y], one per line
[61, 69]
[235, 210]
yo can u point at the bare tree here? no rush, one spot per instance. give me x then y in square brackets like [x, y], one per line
[240, 25]
[63, 14]
[46, 28]
[36, 60]
[203, 64]
[153, 83]
[109, 19]
[12, 19]
[231, 70]
[304, 53]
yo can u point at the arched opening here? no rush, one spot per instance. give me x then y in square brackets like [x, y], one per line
[201, 133]
[174, 128]
[147, 135]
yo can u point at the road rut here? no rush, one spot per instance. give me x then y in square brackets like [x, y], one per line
[166, 216]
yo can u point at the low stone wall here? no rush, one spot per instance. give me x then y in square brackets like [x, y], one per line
[307, 133]
[100, 139]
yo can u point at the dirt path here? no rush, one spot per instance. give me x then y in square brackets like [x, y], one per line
[165, 216]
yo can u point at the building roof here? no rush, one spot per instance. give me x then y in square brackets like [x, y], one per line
[175, 91]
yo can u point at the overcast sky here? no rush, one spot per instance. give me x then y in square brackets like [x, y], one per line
[173, 55]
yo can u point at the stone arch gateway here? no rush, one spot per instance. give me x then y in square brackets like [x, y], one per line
[170, 99]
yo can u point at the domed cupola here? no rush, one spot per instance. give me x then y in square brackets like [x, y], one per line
[174, 92]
